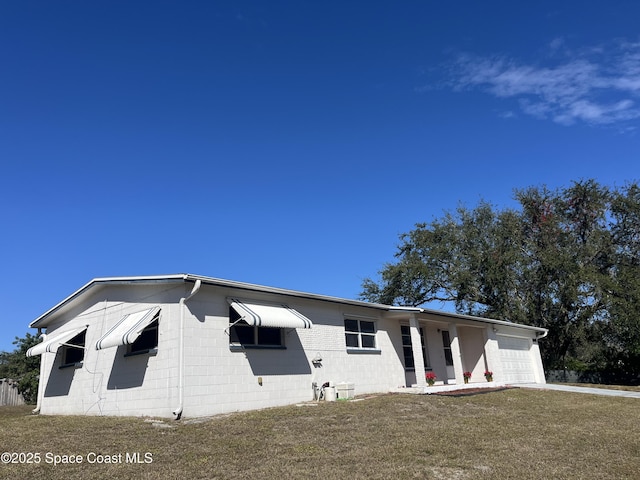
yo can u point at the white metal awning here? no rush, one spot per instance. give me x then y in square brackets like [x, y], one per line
[269, 315]
[128, 329]
[54, 341]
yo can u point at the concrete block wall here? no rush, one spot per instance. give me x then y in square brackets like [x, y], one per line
[537, 362]
[107, 382]
[220, 378]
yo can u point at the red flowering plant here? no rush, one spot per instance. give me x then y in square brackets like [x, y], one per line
[431, 378]
[488, 375]
[467, 376]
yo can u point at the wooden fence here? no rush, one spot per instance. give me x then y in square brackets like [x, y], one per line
[9, 394]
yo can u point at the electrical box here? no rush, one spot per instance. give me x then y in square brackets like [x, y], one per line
[345, 390]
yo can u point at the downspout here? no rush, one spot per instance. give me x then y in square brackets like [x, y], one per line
[36, 410]
[178, 411]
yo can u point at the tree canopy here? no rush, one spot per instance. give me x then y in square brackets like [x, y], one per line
[25, 370]
[566, 259]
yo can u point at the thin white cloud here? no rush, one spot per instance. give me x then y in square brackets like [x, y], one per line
[599, 86]
[507, 114]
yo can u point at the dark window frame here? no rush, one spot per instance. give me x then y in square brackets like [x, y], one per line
[73, 350]
[407, 349]
[243, 335]
[360, 334]
[446, 345]
[147, 341]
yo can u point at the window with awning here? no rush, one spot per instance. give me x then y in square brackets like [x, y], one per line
[269, 315]
[130, 328]
[258, 325]
[55, 340]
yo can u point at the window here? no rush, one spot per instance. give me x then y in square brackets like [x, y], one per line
[73, 351]
[360, 333]
[407, 348]
[446, 344]
[147, 341]
[241, 333]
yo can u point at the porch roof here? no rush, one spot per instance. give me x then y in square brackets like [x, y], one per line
[426, 313]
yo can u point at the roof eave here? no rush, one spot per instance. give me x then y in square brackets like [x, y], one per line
[40, 321]
[473, 318]
[185, 277]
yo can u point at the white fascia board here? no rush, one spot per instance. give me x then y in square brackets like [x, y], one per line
[40, 321]
[185, 277]
[473, 318]
[282, 291]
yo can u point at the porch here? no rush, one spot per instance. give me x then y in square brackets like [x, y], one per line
[447, 350]
[447, 388]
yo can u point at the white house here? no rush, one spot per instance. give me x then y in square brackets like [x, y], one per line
[186, 344]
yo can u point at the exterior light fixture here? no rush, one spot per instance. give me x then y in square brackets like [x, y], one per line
[317, 360]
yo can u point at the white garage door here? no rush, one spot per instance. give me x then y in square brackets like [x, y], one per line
[517, 366]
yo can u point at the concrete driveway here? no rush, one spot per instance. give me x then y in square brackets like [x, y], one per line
[571, 388]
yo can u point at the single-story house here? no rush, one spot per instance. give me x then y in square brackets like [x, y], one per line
[173, 344]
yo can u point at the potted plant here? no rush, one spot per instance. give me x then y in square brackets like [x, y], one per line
[488, 375]
[431, 378]
[467, 376]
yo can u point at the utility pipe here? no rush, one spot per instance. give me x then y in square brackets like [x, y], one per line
[178, 411]
[40, 392]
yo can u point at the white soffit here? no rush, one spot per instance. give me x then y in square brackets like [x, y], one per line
[128, 329]
[53, 342]
[265, 315]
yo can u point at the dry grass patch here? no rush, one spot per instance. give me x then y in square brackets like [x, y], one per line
[507, 434]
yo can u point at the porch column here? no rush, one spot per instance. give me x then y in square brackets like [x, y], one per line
[456, 353]
[537, 362]
[416, 348]
[492, 353]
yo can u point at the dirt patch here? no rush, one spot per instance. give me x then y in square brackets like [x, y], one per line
[471, 391]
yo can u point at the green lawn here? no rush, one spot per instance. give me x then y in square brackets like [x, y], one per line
[515, 434]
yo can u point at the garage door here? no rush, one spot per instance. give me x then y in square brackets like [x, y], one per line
[516, 359]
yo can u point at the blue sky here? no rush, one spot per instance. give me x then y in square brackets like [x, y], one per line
[288, 143]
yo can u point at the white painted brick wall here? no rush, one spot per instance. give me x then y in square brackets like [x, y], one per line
[218, 379]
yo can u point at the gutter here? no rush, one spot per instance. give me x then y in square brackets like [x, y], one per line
[178, 411]
[459, 316]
